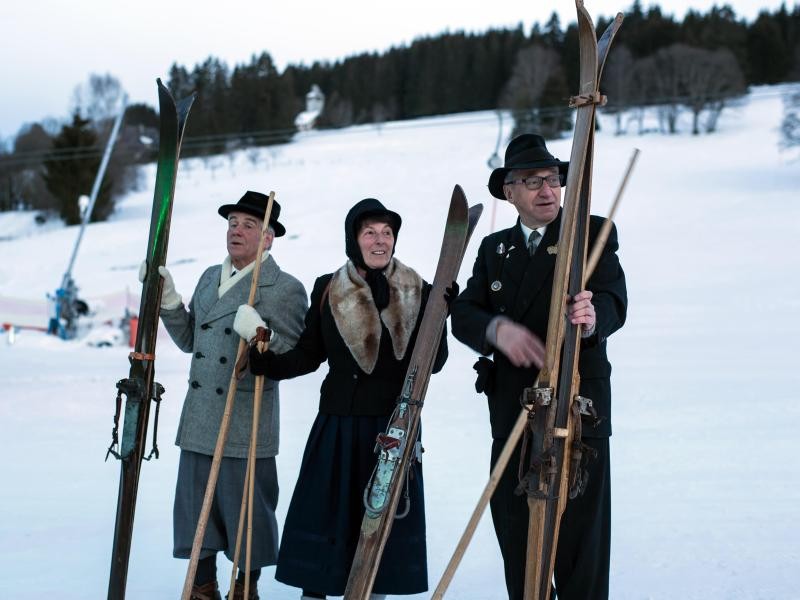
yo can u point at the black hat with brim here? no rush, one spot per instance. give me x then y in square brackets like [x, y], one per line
[255, 203]
[526, 151]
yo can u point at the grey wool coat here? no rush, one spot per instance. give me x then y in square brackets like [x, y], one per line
[206, 330]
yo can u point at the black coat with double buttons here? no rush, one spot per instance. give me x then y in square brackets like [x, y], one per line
[205, 330]
[507, 281]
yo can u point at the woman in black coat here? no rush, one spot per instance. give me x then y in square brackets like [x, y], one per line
[363, 319]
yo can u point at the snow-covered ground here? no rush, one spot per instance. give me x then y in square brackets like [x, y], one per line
[706, 501]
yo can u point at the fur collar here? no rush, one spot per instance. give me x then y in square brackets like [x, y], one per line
[226, 281]
[357, 318]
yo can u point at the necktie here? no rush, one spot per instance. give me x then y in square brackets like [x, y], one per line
[533, 241]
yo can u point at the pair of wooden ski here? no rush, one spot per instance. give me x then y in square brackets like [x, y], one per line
[550, 418]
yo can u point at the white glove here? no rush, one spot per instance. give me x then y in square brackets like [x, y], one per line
[247, 322]
[170, 299]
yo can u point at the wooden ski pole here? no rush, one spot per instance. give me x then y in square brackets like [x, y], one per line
[519, 426]
[222, 437]
[605, 230]
[251, 466]
[248, 489]
[240, 528]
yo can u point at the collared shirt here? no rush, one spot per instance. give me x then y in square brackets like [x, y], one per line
[491, 328]
[526, 231]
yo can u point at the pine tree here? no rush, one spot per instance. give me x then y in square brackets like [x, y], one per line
[71, 168]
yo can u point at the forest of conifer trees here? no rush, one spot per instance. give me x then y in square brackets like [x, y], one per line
[698, 65]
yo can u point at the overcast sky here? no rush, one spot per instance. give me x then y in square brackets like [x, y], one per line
[47, 47]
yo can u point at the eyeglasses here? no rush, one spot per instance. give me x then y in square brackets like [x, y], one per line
[534, 182]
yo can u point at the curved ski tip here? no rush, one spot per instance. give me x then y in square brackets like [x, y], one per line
[476, 210]
[619, 17]
[164, 95]
[458, 192]
[184, 104]
[582, 12]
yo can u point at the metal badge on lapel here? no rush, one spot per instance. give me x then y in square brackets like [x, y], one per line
[552, 249]
[501, 248]
[496, 286]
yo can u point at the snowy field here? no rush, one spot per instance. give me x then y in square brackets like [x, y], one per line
[706, 500]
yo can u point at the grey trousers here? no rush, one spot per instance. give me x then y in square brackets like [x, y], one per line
[193, 472]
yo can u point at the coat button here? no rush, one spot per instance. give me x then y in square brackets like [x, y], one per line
[195, 384]
[205, 326]
[219, 391]
[355, 375]
[228, 330]
[223, 359]
[199, 355]
[502, 309]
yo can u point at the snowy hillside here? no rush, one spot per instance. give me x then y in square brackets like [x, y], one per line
[706, 503]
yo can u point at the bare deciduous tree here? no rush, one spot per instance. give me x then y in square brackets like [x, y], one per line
[535, 69]
[663, 72]
[790, 126]
[697, 78]
[709, 79]
[618, 84]
[98, 99]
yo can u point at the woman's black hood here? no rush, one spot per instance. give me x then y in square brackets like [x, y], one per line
[367, 208]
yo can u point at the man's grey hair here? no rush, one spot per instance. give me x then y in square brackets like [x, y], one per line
[272, 231]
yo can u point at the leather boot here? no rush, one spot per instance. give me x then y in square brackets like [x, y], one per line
[207, 591]
[238, 592]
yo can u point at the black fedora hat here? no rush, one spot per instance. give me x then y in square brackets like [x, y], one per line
[526, 151]
[255, 203]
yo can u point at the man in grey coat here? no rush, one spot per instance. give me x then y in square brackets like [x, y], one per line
[207, 328]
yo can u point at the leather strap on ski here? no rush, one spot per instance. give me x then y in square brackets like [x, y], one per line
[582, 454]
[113, 449]
[141, 356]
[587, 100]
[158, 389]
[387, 442]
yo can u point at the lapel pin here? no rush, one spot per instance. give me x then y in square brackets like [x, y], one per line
[501, 248]
[552, 249]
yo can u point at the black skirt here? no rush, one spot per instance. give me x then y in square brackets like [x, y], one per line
[322, 526]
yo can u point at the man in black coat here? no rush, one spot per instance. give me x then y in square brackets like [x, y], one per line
[503, 311]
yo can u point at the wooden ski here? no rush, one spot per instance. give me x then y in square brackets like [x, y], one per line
[140, 387]
[396, 448]
[553, 400]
